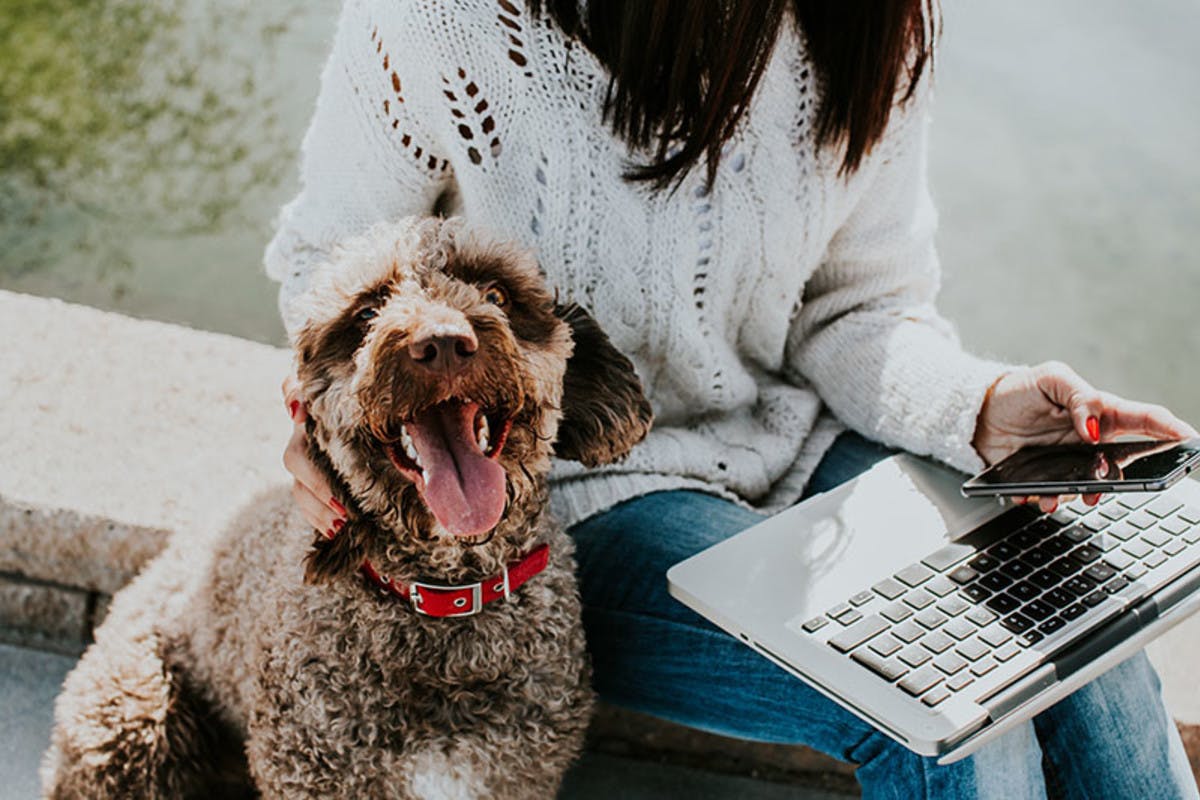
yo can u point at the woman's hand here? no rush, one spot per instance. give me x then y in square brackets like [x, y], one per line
[311, 491]
[1050, 404]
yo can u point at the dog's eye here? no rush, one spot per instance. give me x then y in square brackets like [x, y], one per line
[496, 296]
[367, 314]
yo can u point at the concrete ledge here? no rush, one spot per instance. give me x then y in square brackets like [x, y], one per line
[117, 433]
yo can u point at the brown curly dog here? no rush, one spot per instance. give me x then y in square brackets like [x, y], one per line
[432, 648]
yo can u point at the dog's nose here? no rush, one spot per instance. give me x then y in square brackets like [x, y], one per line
[443, 353]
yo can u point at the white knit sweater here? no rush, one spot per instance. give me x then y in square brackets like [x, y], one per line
[761, 316]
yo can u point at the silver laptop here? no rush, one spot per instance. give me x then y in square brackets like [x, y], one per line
[941, 620]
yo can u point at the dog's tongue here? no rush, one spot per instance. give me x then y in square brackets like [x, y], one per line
[463, 488]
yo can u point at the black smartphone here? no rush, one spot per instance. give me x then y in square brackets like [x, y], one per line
[1088, 469]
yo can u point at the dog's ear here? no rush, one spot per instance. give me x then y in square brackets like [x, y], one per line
[604, 411]
[341, 556]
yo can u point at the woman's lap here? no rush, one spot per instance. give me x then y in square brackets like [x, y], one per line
[653, 654]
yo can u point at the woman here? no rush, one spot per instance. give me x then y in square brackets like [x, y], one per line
[737, 191]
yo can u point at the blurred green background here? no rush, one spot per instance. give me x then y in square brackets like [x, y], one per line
[145, 148]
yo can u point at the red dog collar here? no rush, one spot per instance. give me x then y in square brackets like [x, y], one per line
[438, 600]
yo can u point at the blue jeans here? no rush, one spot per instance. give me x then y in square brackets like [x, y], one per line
[1111, 739]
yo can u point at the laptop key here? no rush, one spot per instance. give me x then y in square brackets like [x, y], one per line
[1006, 652]
[937, 642]
[959, 628]
[919, 599]
[1118, 561]
[1174, 526]
[953, 606]
[1037, 557]
[890, 588]
[1086, 554]
[1073, 611]
[897, 612]
[1104, 543]
[1164, 506]
[1138, 548]
[1030, 638]
[1175, 548]
[1135, 500]
[976, 593]
[921, 681]
[1115, 585]
[1113, 512]
[994, 636]
[860, 632]
[862, 598]
[908, 632]
[1192, 536]
[815, 624]
[983, 563]
[1122, 530]
[1003, 551]
[938, 694]
[1052, 625]
[914, 656]
[950, 663]
[940, 586]
[1016, 623]
[931, 618]
[1142, 520]
[886, 645]
[960, 682]
[963, 575]
[1058, 598]
[1037, 610]
[1064, 567]
[1017, 570]
[946, 557]
[1092, 523]
[1154, 560]
[1057, 545]
[995, 582]
[981, 616]
[1003, 604]
[1190, 514]
[914, 574]
[1100, 572]
[1080, 585]
[973, 650]
[1024, 591]
[1135, 572]
[1156, 538]
[983, 667]
[1094, 599]
[886, 668]
[1046, 579]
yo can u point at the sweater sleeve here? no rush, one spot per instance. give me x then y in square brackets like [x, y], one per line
[365, 158]
[867, 335]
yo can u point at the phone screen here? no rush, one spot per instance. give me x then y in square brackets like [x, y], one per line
[1135, 463]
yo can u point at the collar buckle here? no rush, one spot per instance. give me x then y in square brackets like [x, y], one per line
[464, 609]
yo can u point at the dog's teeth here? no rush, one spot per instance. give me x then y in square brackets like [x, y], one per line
[482, 435]
[409, 449]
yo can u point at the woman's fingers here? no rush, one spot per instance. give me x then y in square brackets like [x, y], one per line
[291, 399]
[297, 462]
[315, 512]
[1143, 419]
[1063, 387]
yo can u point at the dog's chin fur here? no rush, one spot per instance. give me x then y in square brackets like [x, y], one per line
[219, 661]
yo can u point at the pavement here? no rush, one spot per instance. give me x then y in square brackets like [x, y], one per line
[30, 679]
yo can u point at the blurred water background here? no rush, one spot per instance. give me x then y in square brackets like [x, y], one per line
[145, 148]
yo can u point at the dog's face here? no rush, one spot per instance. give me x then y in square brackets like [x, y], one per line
[441, 376]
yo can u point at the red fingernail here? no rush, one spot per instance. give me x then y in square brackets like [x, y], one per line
[293, 409]
[338, 507]
[337, 525]
[1093, 428]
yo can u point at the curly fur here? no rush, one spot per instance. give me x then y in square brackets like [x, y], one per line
[258, 660]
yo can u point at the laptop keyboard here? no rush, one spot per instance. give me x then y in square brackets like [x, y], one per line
[977, 614]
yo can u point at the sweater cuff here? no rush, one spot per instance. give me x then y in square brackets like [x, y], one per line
[960, 406]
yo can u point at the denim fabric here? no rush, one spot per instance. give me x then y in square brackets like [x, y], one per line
[1112, 739]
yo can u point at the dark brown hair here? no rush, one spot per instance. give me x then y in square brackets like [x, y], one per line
[683, 72]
